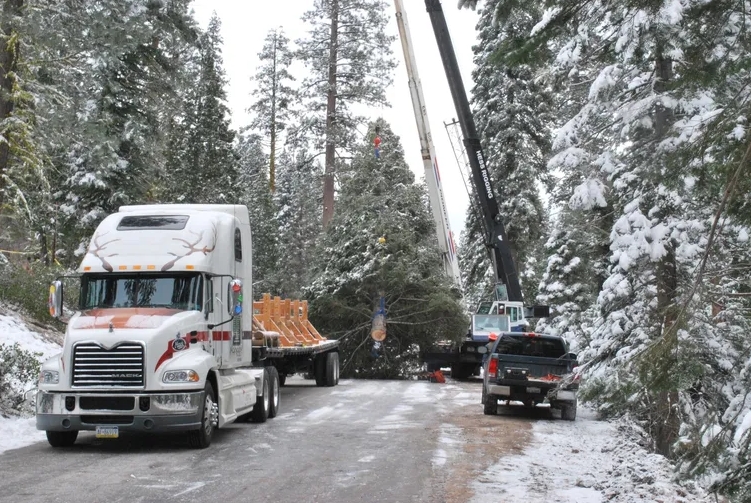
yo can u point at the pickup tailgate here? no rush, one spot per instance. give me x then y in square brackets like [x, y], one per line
[514, 369]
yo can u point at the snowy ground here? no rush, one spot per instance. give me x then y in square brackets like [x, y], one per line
[586, 461]
[14, 431]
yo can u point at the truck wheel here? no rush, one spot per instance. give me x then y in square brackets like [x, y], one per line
[568, 412]
[319, 370]
[260, 411]
[62, 438]
[274, 387]
[201, 438]
[332, 369]
[491, 405]
[461, 371]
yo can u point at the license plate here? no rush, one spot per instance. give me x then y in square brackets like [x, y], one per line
[533, 390]
[107, 432]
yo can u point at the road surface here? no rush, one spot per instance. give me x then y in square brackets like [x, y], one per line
[363, 441]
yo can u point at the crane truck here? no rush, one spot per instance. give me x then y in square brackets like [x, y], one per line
[166, 337]
[506, 312]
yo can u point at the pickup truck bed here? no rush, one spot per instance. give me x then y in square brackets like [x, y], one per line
[530, 368]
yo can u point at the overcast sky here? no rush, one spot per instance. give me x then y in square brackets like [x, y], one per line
[244, 27]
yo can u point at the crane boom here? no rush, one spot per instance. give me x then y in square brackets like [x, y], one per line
[495, 232]
[427, 150]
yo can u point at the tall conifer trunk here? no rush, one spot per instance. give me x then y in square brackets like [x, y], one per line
[9, 47]
[328, 181]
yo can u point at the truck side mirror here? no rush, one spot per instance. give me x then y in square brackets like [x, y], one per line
[235, 306]
[55, 300]
[572, 356]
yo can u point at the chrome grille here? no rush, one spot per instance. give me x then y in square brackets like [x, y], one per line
[95, 366]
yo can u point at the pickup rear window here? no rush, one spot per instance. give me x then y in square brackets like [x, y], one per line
[512, 344]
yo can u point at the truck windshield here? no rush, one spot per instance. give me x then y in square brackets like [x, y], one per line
[511, 344]
[174, 291]
[490, 323]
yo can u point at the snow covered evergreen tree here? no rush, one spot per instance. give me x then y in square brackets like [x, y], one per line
[298, 199]
[274, 96]
[381, 243]
[204, 167]
[255, 194]
[349, 56]
[663, 129]
[513, 116]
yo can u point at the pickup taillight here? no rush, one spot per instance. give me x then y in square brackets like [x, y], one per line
[493, 366]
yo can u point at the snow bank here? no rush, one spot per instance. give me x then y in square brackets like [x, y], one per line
[17, 432]
[586, 461]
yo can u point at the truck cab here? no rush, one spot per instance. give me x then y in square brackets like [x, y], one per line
[160, 340]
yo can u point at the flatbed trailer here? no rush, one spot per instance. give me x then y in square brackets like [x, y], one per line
[288, 341]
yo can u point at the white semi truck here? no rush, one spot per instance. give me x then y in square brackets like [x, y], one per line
[164, 337]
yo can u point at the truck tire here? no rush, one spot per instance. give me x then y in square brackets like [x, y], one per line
[282, 378]
[201, 438]
[319, 370]
[461, 370]
[62, 438]
[490, 407]
[274, 387]
[260, 411]
[332, 369]
[568, 411]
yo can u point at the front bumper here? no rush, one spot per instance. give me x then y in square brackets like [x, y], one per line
[166, 412]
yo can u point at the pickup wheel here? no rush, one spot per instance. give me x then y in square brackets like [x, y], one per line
[201, 438]
[332, 369]
[490, 405]
[274, 383]
[260, 411]
[568, 411]
[62, 438]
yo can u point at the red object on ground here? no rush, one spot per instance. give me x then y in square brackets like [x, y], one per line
[437, 376]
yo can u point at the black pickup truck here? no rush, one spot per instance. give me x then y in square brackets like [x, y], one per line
[530, 368]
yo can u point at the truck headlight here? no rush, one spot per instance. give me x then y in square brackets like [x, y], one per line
[49, 377]
[180, 376]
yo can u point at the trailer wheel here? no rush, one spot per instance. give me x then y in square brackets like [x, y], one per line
[260, 411]
[332, 369]
[490, 407]
[201, 438]
[62, 438]
[274, 388]
[319, 370]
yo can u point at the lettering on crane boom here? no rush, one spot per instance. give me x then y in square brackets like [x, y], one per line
[485, 176]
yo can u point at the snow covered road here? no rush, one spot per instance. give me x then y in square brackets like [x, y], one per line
[366, 441]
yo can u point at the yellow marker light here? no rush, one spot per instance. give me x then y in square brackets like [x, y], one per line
[136, 267]
[122, 267]
[190, 266]
[87, 268]
[150, 267]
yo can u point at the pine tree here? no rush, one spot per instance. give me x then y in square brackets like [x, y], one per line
[255, 194]
[298, 200]
[205, 168]
[349, 56]
[274, 96]
[666, 142]
[382, 244]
